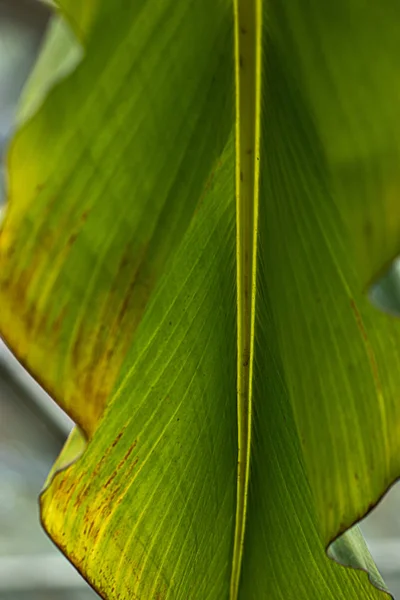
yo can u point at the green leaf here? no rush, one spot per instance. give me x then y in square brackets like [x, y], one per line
[195, 214]
[59, 56]
[105, 204]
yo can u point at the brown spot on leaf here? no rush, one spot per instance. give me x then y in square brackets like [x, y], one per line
[115, 442]
[110, 479]
[132, 467]
[72, 239]
[85, 215]
[359, 321]
[128, 453]
[57, 324]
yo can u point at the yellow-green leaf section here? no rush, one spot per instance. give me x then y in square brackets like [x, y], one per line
[71, 247]
[123, 289]
[82, 16]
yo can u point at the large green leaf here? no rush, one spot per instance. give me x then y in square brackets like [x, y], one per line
[237, 390]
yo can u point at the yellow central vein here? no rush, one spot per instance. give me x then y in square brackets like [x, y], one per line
[248, 101]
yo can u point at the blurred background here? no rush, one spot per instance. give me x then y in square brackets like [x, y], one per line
[33, 429]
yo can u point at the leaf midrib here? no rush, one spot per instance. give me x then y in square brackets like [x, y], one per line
[247, 79]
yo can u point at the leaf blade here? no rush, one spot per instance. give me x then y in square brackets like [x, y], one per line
[69, 265]
[279, 357]
[162, 434]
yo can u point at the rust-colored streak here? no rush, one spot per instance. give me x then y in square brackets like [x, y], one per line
[85, 215]
[368, 346]
[127, 454]
[72, 239]
[57, 325]
[121, 464]
[81, 497]
[136, 294]
[110, 501]
[359, 321]
[110, 480]
[97, 352]
[131, 468]
[115, 442]
[83, 494]
[127, 475]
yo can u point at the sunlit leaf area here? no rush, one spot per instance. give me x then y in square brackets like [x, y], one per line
[199, 298]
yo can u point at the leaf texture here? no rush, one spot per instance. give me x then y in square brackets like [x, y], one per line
[196, 212]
